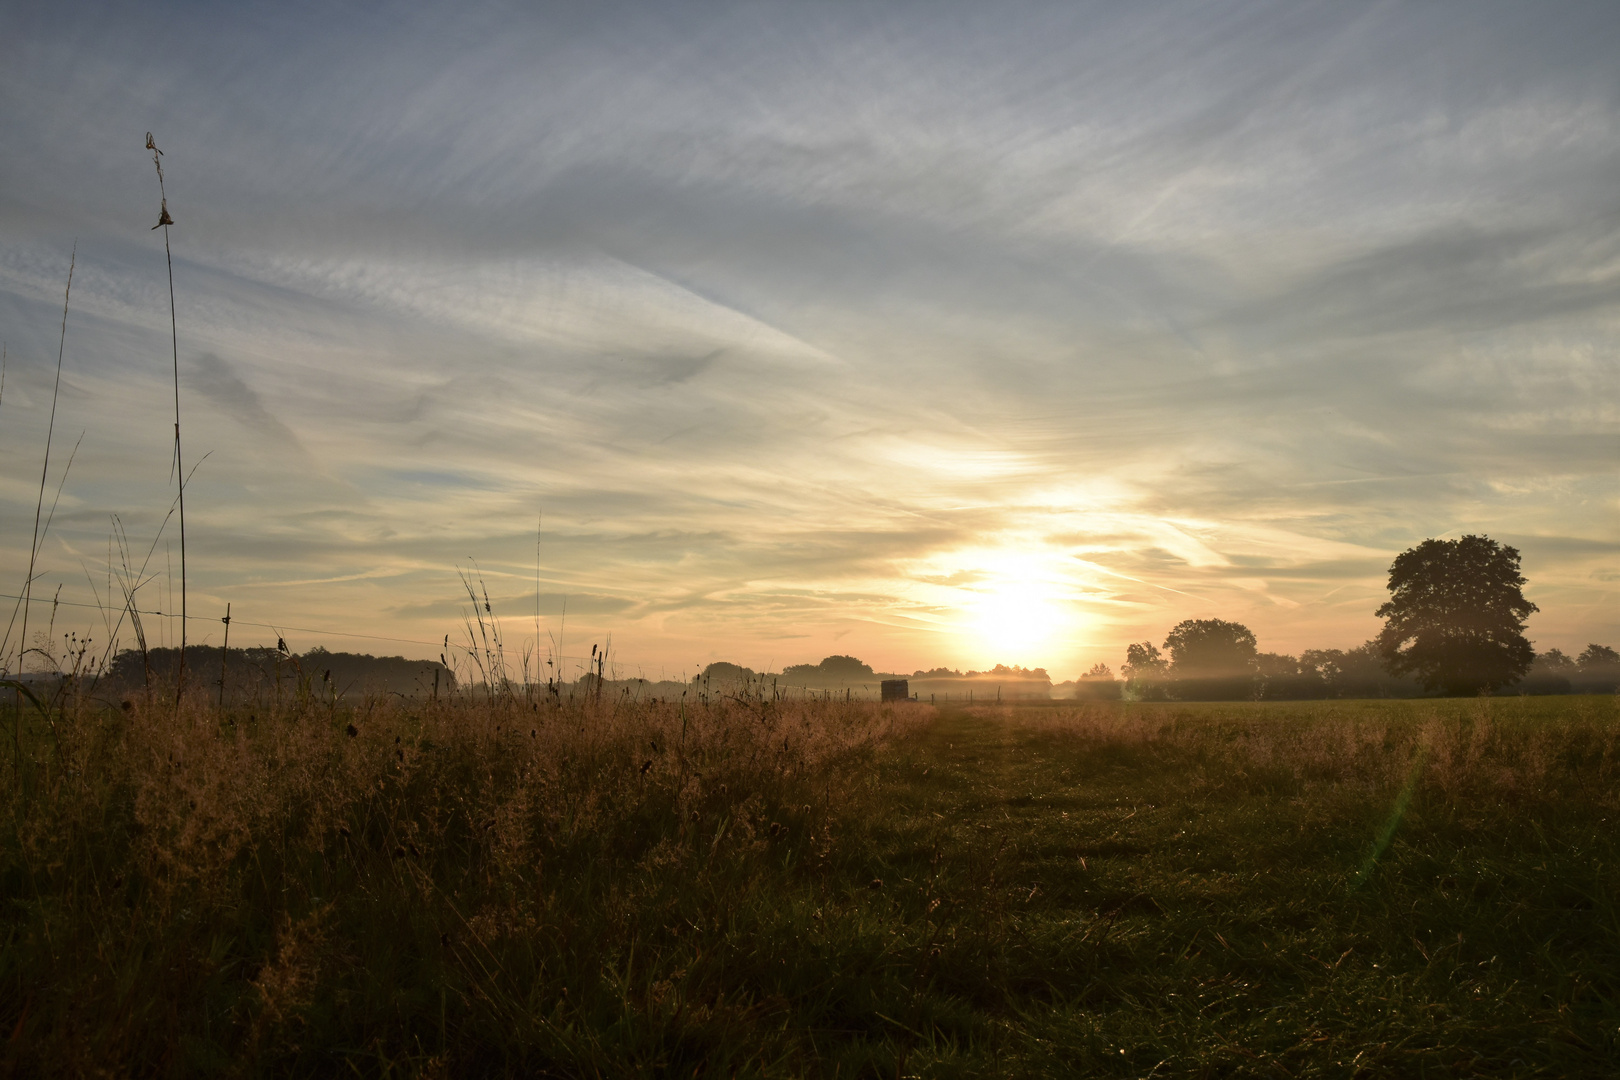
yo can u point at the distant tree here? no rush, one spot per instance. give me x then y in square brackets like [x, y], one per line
[1597, 670]
[1357, 672]
[1204, 648]
[1365, 675]
[1549, 674]
[1097, 684]
[1272, 665]
[1554, 660]
[845, 667]
[1144, 670]
[1284, 677]
[257, 669]
[1327, 663]
[723, 671]
[1142, 661]
[833, 669]
[1598, 656]
[1456, 615]
[1002, 671]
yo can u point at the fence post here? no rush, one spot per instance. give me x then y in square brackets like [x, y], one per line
[223, 653]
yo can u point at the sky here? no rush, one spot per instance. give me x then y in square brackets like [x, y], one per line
[935, 334]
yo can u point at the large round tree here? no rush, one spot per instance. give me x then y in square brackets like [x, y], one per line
[1456, 615]
[1211, 660]
[1205, 648]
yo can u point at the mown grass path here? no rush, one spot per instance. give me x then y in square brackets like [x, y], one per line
[1077, 904]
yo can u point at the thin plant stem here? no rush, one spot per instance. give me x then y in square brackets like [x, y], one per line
[39, 507]
[540, 520]
[164, 221]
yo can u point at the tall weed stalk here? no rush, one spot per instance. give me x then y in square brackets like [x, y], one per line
[45, 467]
[164, 221]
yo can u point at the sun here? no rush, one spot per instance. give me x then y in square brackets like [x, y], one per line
[1018, 614]
[1015, 622]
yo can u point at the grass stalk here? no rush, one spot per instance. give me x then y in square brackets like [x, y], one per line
[164, 221]
[539, 522]
[45, 468]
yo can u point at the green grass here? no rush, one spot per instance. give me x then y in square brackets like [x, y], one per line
[1193, 891]
[1326, 889]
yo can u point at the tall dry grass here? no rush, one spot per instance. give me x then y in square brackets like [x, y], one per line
[495, 883]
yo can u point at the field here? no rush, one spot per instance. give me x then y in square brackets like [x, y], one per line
[752, 887]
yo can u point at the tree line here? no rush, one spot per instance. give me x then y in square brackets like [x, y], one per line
[1454, 624]
[255, 672]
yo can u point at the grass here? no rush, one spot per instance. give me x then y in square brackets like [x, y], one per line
[1194, 890]
[746, 887]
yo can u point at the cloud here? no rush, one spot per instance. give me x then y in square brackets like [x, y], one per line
[216, 381]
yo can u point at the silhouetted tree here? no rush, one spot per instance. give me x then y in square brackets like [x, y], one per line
[832, 671]
[259, 670]
[1272, 665]
[1144, 670]
[1598, 670]
[1346, 672]
[846, 667]
[1456, 615]
[1211, 660]
[1555, 660]
[1204, 648]
[1326, 663]
[1284, 677]
[1597, 656]
[1097, 684]
[1142, 661]
[724, 671]
[1003, 671]
[1549, 674]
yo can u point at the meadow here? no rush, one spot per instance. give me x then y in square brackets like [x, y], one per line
[741, 886]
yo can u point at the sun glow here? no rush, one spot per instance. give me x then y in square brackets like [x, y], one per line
[1019, 613]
